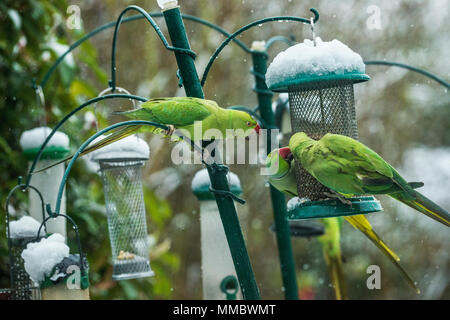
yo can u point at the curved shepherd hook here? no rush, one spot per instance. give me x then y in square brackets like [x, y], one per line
[248, 26]
[82, 106]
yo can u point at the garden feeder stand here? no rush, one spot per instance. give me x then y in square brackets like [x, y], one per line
[121, 170]
[217, 263]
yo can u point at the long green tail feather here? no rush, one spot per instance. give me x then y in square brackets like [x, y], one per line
[423, 205]
[362, 224]
[336, 273]
[115, 136]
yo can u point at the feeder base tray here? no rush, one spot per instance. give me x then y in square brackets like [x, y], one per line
[304, 229]
[138, 267]
[333, 208]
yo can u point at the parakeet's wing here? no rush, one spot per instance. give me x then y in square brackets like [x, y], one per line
[119, 134]
[351, 164]
[362, 224]
[180, 111]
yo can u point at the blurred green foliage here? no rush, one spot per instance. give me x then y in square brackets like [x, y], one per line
[33, 35]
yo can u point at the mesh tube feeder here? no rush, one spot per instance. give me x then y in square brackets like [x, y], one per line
[218, 273]
[319, 77]
[121, 170]
[19, 233]
[60, 275]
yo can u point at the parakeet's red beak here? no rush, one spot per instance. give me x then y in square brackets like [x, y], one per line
[285, 153]
[257, 128]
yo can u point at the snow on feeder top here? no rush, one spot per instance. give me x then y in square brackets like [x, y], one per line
[121, 169]
[306, 65]
[32, 140]
[58, 273]
[46, 182]
[201, 183]
[319, 76]
[218, 272]
[25, 228]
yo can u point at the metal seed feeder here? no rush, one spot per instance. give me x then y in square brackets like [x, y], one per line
[121, 169]
[319, 78]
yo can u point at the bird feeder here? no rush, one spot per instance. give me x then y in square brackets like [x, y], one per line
[60, 275]
[319, 77]
[303, 229]
[19, 233]
[47, 182]
[121, 169]
[218, 269]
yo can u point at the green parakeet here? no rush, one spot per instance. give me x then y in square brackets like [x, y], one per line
[331, 247]
[282, 176]
[180, 113]
[349, 168]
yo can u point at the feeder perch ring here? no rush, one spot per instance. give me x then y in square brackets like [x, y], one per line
[333, 208]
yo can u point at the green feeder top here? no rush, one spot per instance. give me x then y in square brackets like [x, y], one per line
[308, 63]
[32, 140]
[201, 183]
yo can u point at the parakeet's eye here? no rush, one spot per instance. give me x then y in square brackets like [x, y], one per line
[249, 123]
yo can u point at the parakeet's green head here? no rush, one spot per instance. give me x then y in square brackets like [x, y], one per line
[278, 162]
[243, 123]
[298, 141]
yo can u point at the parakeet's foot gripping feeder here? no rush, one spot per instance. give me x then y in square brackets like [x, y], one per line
[121, 170]
[321, 101]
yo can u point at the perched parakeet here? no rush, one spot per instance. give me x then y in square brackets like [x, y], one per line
[331, 247]
[349, 168]
[281, 164]
[180, 113]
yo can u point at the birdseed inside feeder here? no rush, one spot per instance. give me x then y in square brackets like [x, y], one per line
[217, 263]
[47, 182]
[121, 169]
[319, 78]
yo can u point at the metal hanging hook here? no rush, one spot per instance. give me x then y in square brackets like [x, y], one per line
[40, 101]
[312, 30]
[102, 93]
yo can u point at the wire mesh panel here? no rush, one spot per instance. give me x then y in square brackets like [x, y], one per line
[22, 287]
[122, 184]
[30, 293]
[316, 109]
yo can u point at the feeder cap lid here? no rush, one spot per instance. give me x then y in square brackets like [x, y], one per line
[31, 141]
[306, 64]
[200, 185]
[129, 148]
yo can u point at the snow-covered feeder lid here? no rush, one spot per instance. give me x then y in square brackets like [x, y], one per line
[41, 257]
[32, 140]
[25, 228]
[200, 185]
[306, 65]
[127, 149]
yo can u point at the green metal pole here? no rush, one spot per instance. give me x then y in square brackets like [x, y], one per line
[177, 33]
[278, 200]
[217, 174]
